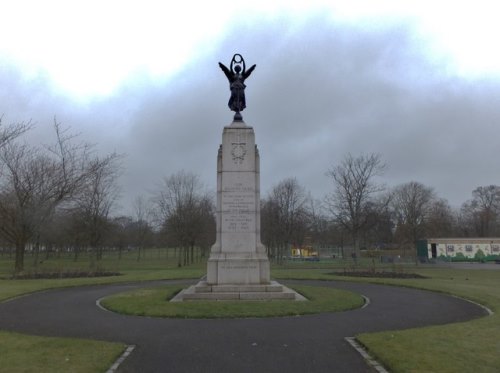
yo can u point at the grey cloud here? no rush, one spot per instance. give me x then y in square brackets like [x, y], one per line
[319, 91]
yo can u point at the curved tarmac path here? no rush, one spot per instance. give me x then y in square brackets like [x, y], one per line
[313, 343]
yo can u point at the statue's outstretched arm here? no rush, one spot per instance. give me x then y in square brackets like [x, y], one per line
[227, 72]
[247, 73]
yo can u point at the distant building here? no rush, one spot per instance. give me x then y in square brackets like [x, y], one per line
[303, 252]
[468, 247]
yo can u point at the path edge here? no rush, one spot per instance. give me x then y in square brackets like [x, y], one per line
[487, 309]
[121, 359]
[365, 355]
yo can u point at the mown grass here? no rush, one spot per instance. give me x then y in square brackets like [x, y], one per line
[153, 302]
[21, 353]
[460, 347]
[150, 259]
[13, 288]
[155, 264]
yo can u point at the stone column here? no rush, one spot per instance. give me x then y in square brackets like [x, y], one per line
[238, 257]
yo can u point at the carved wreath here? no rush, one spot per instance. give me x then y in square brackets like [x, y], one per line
[238, 152]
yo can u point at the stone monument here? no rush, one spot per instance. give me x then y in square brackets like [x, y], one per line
[238, 257]
[238, 266]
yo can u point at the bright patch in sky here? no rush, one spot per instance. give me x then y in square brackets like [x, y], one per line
[89, 48]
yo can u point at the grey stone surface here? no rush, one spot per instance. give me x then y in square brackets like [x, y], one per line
[267, 296]
[202, 291]
[192, 295]
[238, 257]
[238, 266]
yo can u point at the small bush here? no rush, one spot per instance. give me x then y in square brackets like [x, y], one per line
[77, 273]
[479, 255]
[460, 257]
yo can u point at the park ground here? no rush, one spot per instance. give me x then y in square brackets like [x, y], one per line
[466, 346]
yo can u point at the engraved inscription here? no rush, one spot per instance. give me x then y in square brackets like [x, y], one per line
[240, 266]
[238, 205]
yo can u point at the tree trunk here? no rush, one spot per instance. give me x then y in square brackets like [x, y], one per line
[36, 250]
[355, 241]
[179, 257]
[92, 258]
[19, 263]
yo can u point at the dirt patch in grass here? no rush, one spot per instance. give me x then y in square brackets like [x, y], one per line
[63, 274]
[381, 274]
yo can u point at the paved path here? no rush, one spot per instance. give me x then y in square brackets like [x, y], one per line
[458, 265]
[312, 343]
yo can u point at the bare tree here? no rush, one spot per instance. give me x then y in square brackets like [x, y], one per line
[318, 222]
[206, 219]
[13, 131]
[354, 190]
[34, 181]
[284, 217]
[270, 232]
[480, 214]
[442, 221]
[96, 196]
[143, 213]
[379, 223]
[412, 206]
[185, 212]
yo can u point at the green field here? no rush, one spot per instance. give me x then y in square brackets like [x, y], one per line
[461, 347]
[22, 354]
[155, 264]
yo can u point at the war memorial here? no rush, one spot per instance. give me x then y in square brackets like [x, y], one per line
[238, 266]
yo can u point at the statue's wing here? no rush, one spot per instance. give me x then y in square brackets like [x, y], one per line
[227, 72]
[247, 73]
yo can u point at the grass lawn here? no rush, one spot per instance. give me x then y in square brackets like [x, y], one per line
[21, 353]
[153, 302]
[155, 264]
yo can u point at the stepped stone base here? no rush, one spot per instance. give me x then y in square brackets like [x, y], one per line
[238, 269]
[204, 291]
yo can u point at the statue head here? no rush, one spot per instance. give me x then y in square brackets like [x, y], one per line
[237, 64]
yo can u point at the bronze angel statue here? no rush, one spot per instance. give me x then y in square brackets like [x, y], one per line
[236, 74]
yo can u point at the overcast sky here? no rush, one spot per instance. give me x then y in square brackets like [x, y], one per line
[417, 82]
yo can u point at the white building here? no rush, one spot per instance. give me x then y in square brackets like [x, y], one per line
[468, 247]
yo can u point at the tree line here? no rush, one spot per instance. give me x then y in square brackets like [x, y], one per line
[60, 197]
[361, 212]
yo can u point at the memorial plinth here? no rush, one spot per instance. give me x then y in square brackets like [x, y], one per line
[238, 257]
[238, 266]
